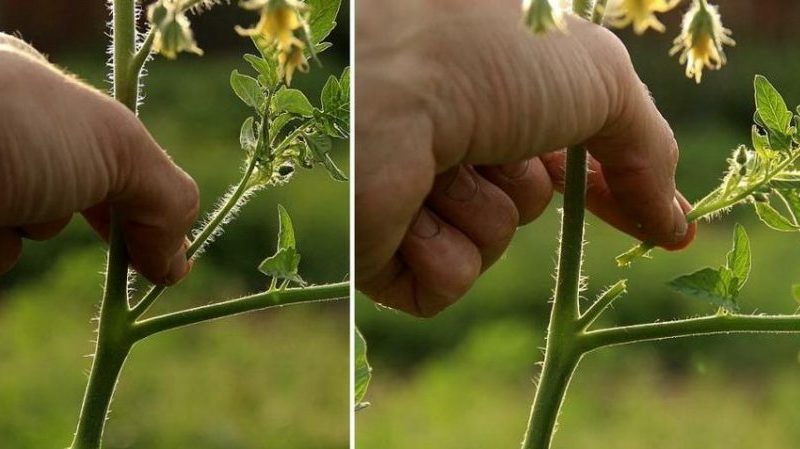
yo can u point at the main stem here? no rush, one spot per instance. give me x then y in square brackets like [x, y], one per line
[113, 335]
[562, 353]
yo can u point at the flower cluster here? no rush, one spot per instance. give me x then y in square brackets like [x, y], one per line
[173, 32]
[284, 25]
[640, 13]
[701, 41]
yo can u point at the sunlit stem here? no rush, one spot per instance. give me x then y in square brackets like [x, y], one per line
[113, 342]
[269, 299]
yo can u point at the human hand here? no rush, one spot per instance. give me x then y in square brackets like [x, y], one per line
[66, 147]
[460, 112]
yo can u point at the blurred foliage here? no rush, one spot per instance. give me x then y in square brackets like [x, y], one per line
[464, 378]
[265, 380]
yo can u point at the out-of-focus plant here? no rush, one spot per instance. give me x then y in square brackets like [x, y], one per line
[284, 133]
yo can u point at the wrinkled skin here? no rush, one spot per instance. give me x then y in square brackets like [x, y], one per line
[460, 116]
[65, 148]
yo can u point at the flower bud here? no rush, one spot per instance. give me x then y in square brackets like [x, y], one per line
[541, 16]
[701, 40]
[173, 32]
[760, 197]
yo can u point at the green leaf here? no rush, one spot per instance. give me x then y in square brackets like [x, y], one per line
[329, 98]
[278, 123]
[788, 180]
[739, 259]
[721, 286]
[772, 114]
[322, 19]
[247, 136]
[286, 232]
[344, 82]
[267, 69]
[760, 140]
[362, 370]
[713, 285]
[796, 292]
[791, 198]
[247, 89]
[284, 264]
[770, 106]
[772, 218]
[293, 101]
[320, 146]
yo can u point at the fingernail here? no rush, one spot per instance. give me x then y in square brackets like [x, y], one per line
[514, 170]
[463, 186]
[425, 226]
[679, 218]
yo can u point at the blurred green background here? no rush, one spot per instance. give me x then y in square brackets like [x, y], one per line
[464, 380]
[274, 379]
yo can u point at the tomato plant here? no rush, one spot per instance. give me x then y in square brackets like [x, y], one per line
[284, 133]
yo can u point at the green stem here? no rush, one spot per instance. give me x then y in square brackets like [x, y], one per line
[269, 299]
[692, 327]
[113, 343]
[142, 54]
[113, 346]
[560, 355]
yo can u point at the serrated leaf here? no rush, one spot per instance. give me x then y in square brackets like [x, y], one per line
[329, 98]
[265, 68]
[362, 370]
[713, 285]
[770, 106]
[320, 146]
[739, 258]
[284, 264]
[322, 18]
[247, 89]
[772, 218]
[247, 136]
[292, 101]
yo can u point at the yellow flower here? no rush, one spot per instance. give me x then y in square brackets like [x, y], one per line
[541, 16]
[640, 13]
[279, 19]
[701, 40]
[173, 32]
[291, 59]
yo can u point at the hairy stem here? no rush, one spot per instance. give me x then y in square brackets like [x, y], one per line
[560, 357]
[113, 344]
[692, 327]
[268, 299]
